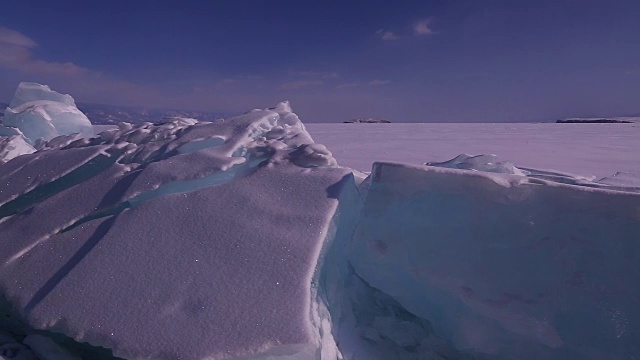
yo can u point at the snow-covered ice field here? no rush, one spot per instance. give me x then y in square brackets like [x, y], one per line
[586, 149]
[248, 239]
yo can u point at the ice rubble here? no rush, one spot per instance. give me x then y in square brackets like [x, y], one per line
[41, 113]
[244, 239]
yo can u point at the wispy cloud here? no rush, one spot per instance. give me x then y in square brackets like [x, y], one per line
[316, 74]
[299, 84]
[16, 54]
[387, 35]
[375, 82]
[422, 27]
[348, 85]
[237, 80]
[12, 37]
[19, 62]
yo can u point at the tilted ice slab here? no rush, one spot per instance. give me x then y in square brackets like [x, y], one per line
[41, 113]
[182, 240]
[13, 146]
[502, 265]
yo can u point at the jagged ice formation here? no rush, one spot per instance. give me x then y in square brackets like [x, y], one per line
[244, 239]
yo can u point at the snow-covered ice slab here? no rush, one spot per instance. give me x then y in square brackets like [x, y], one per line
[41, 113]
[182, 240]
[504, 265]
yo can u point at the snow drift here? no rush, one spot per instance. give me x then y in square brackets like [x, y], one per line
[244, 239]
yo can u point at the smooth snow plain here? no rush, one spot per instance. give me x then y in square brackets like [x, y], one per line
[247, 239]
[584, 149]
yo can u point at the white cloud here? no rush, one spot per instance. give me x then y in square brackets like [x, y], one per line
[422, 27]
[378, 82]
[299, 84]
[387, 35]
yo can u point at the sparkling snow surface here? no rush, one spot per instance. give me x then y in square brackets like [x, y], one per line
[244, 239]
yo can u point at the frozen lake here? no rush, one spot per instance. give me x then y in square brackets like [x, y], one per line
[267, 248]
[242, 239]
[584, 149]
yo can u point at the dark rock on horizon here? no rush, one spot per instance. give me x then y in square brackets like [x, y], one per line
[367, 121]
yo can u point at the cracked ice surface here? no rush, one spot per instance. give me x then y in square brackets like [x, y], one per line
[182, 240]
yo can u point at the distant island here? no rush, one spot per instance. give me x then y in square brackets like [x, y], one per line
[367, 121]
[605, 120]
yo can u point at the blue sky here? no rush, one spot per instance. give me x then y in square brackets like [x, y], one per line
[405, 61]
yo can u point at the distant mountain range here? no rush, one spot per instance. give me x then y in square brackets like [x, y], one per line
[109, 114]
